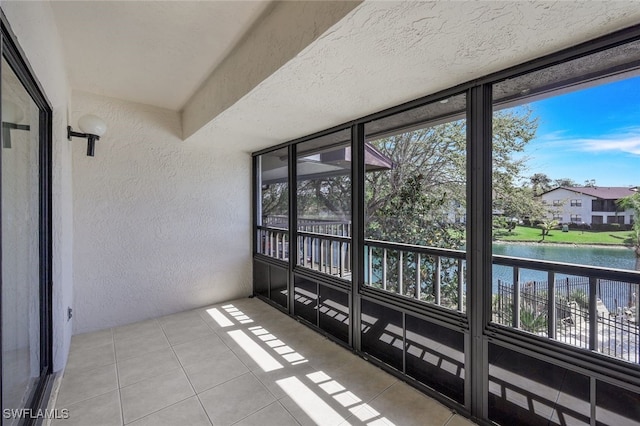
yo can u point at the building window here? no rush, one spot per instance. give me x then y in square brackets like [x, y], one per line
[576, 218]
[557, 202]
[557, 217]
[576, 203]
[615, 219]
[604, 206]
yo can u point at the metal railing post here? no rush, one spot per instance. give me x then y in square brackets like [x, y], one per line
[516, 297]
[400, 264]
[418, 279]
[551, 304]
[436, 279]
[593, 314]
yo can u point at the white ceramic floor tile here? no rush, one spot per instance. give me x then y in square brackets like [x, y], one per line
[157, 363]
[103, 410]
[96, 356]
[136, 330]
[214, 371]
[273, 414]
[187, 330]
[84, 384]
[154, 394]
[142, 345]
[179, 317]
[234, 400]
[91, 340]
[185, 413]
[228, 357]
[200, 350]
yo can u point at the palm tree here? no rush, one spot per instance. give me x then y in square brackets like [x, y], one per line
[546, 226]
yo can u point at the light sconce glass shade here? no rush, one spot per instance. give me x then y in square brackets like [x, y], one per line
[92, 128]
[92, 125]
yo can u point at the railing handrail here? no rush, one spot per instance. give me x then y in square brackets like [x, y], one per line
[272, 228]
[434, 251]
[309, 221]
[324, 236]
[612, 274]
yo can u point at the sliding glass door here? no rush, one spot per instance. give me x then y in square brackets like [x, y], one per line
[25, 241]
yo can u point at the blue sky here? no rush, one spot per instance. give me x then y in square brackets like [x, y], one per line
[592, 133]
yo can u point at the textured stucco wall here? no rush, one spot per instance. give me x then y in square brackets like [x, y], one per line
[384, 53]
[35, 28]
[160, 225]
[284, 31]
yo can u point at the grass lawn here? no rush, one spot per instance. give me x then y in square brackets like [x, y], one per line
[524, 233]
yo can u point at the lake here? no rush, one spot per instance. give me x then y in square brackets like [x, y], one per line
[607, 257]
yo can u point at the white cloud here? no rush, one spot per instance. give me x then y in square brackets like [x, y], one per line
[629, 145]
[625, 140]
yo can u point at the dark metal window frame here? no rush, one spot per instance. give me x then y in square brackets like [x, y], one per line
[16, 59]
[479, 331]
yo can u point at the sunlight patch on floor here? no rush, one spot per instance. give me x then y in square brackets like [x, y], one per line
[257, 353]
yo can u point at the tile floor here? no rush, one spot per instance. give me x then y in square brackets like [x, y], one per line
[236, 363]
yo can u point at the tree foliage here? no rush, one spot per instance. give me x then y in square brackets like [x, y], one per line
[565, 182]
[417, 199]
[275, 200]
[632, 202]
[540, 183]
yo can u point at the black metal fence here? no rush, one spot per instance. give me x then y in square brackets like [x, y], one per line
[617, 331]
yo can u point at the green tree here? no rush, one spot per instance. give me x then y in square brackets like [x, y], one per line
[540, 183]
[513, 129]
[546, 226]
[275, 201]
[418, 199]
[325, 198]
[565, 182]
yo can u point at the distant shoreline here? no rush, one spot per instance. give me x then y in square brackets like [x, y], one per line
[536, 243]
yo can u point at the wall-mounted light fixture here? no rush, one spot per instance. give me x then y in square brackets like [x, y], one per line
[93, 127]
[12, 114]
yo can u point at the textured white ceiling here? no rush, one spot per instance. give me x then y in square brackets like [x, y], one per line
[381, 54]
[384, 53]
[152, 52]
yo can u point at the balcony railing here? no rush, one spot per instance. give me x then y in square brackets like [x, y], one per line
[323, 245]
[428, 274]
[584, 306]
[329, 254]
[273, 242]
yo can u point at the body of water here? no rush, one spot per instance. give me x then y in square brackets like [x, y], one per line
[606, 257]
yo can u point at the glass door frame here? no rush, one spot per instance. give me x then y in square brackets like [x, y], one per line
[16, 59]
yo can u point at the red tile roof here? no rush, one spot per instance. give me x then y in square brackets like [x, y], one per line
[605, 193]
